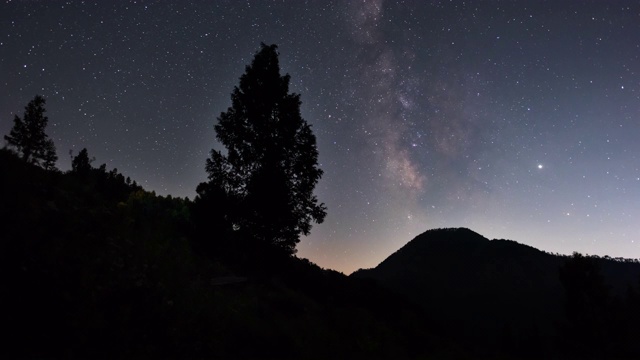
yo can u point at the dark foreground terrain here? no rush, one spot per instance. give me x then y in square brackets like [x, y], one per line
[94, 266]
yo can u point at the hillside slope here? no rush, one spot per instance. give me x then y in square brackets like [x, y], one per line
[489, 294]
[95, 267]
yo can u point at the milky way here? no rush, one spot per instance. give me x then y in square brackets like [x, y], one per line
[517, 119]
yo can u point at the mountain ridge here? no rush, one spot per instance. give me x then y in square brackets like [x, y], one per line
[469, 242]
[480, 289]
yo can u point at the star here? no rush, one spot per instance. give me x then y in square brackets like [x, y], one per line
[416, 125]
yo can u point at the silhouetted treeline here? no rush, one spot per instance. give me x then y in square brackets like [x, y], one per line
[95, 267]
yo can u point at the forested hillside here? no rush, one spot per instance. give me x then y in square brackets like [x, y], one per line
[94, 266]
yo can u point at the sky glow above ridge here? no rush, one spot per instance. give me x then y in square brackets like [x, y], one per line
[516, 119]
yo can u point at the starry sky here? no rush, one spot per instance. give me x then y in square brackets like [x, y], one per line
[517, 119]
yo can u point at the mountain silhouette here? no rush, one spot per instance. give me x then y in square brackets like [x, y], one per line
[488, 294]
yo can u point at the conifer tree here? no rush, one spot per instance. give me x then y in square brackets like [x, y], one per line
[81, 163]
[29, 138]
[270, 167]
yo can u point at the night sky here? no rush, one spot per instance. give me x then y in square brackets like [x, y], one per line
[517, 119]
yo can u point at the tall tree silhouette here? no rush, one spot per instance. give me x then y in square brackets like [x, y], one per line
[270, 168]
[28, 137]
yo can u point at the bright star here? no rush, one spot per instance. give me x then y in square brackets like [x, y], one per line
[540, 166]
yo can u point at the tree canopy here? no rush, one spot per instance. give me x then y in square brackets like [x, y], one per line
[270, 168]
[28, 135]
[81, 163]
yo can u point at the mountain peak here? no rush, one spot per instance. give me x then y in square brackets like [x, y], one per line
[450, 234]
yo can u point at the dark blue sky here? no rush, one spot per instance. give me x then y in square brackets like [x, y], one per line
[518, 119]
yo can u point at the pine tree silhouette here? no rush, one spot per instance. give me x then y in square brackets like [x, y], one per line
[270, 168]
